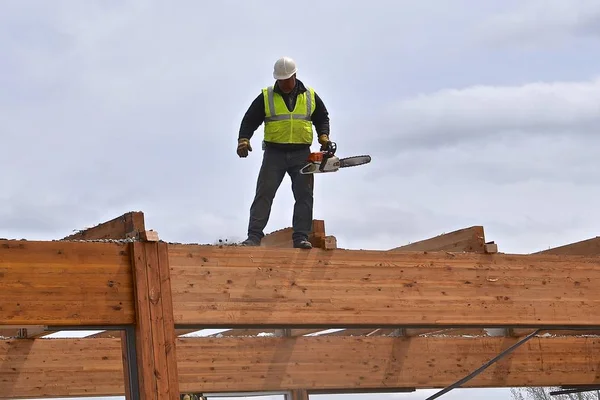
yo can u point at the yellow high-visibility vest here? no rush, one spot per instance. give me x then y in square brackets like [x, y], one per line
[283, 126]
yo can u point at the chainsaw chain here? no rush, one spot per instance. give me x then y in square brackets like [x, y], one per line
[344, 161]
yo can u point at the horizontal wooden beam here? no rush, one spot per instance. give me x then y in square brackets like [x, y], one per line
[65, 283]
[471, 239]
[34, 368]
[93, 367]
[252, 287]
[326, 363]
[588, 247]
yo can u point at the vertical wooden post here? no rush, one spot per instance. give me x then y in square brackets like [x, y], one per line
[299, 394]
[155, 328]
[296, 394]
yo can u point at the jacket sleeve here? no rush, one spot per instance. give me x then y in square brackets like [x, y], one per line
[255, 115]
[320, 117]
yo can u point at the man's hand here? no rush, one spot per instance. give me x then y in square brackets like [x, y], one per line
[243, 147]
[324, 141]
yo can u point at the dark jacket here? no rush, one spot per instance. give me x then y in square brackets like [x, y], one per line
[255, 115]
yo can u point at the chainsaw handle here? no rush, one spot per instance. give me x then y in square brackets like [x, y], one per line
[328, 152]
[329, 148]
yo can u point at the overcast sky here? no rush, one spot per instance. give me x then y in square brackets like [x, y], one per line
[475, 113]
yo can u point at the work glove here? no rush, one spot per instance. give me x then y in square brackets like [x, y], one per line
[243, 147]
[324, 141]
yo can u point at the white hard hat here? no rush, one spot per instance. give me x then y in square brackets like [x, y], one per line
[284, 68]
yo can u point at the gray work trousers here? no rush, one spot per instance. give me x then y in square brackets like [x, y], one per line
[276, 163]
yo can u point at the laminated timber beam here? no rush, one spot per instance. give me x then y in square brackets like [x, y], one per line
[35, 368]
[260, 287]
[590, 248]
[93, 367]
[342, 363]
[283, 239]
[471, 239]
[65, 283]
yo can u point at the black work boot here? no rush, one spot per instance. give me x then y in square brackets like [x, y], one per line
[302, 244]
[251, 241]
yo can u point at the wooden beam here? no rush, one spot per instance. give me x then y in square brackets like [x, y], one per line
[252, 287]
[470, 239]
[130, 224]
[155, 328]
[65, 283]
[588, 247]
[34, 368]
[93, 367]
[314, 363]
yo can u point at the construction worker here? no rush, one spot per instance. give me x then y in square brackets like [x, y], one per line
[289, 109]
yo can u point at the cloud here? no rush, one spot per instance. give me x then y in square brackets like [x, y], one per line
[544, 22]
[485, 114]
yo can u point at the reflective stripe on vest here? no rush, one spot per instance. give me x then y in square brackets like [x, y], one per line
[272, 116]
[284, 126]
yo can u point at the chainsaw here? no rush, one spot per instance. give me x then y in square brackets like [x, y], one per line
[326, 161]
